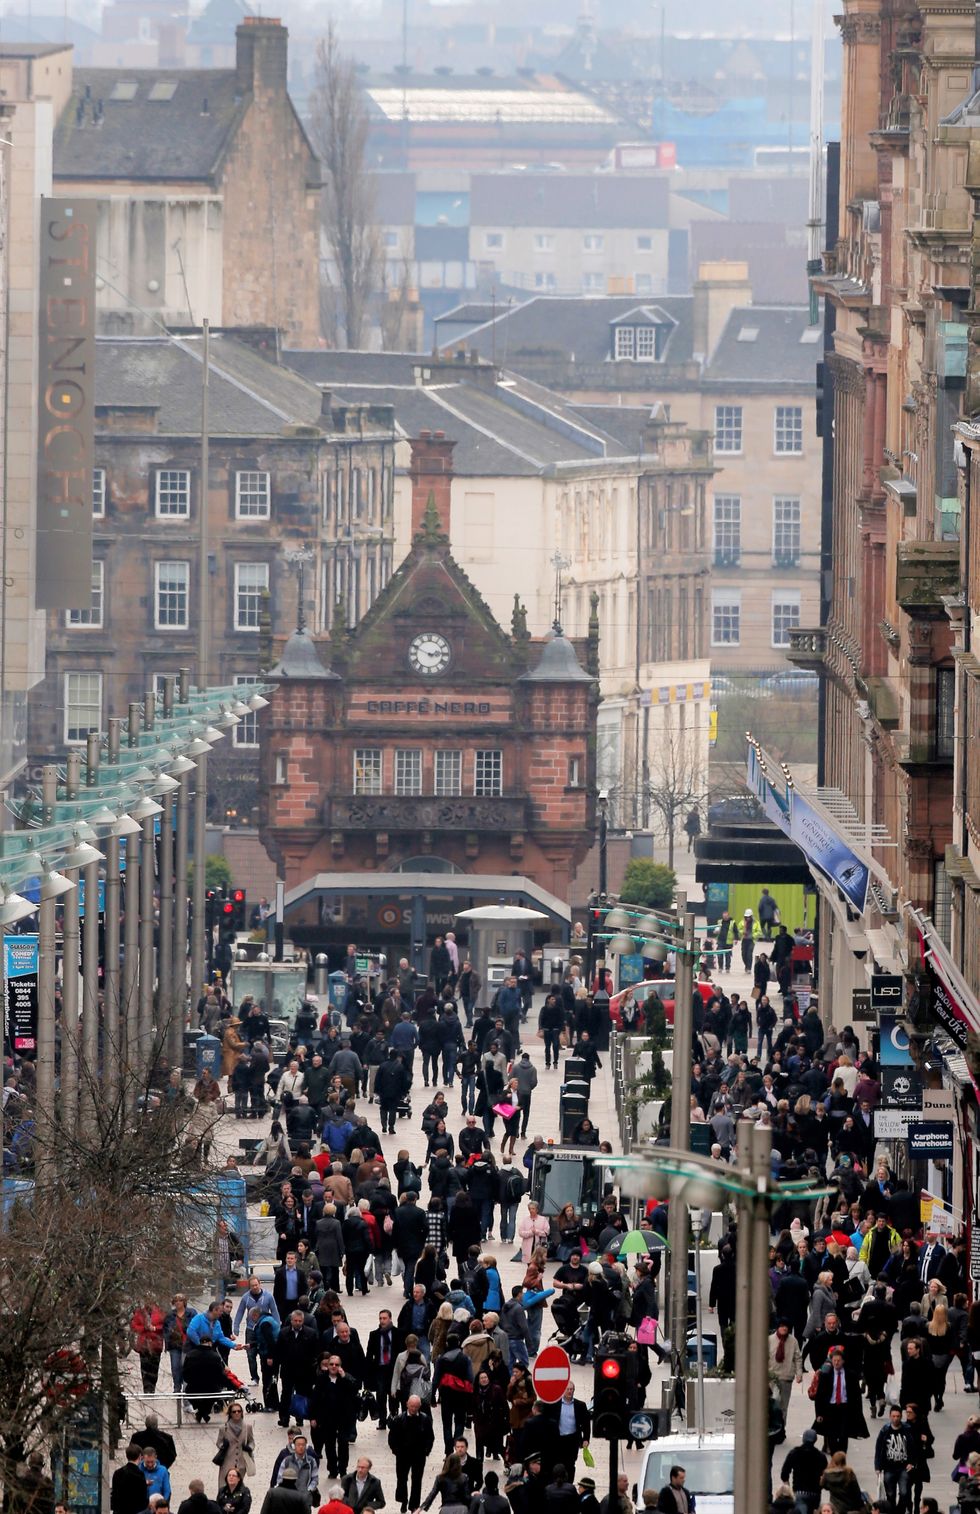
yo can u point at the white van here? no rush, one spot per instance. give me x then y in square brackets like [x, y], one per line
[708, 1460]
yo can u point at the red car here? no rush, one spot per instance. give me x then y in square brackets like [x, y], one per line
[665, 987]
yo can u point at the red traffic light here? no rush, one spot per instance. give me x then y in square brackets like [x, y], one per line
[238, 895]
[227, 908]
[610, 1368]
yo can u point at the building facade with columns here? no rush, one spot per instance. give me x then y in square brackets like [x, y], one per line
[427, 738]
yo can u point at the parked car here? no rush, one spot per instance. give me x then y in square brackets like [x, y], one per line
[736, 809]
[709, 1462]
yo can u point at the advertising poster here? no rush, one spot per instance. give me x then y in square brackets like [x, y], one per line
[817, 840]
[20, 964]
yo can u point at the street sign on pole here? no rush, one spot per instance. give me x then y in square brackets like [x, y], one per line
[552, 1374]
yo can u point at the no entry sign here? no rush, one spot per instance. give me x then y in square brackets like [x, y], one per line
[552, 1374]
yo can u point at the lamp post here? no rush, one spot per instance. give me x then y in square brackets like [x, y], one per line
[165, 957]
[110, 966]
[203, 654]
[145, 1030]
[697, 1180]
[176, 1049]
[680, 1126]
[46, 981]
[131, 942]
[69, 974]
[90, 961]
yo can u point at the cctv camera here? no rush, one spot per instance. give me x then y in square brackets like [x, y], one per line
[603, 793]
[860, 952]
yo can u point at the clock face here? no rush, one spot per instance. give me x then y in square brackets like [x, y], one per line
[429, 653]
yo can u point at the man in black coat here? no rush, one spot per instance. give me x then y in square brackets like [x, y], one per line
[792, 1302]
[357, 1249]
[161, 1441]
[538, 1436]
[839, 1414]
[803, 1468]
[296, 1354]
[333, 1414]
[391, 1084]
[383, 1346]
[362, 1490]
[409, 1228]
[411, 1438]
[127, 1495]
[328, 1244]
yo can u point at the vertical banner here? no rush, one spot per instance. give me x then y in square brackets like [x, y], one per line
[20, 963]
[820, 844]
[66, 404]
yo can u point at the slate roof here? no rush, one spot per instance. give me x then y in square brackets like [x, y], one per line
[590, 201]
[625, 422]
[776, 356]
[140, 138]
[575, 330]
[248, 395]
[516, 429]
[575, 327]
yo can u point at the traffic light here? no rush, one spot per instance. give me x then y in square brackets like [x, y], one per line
[210, 908]
[615, 1375]
[239, 907]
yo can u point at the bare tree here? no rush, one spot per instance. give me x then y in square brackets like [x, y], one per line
[339, 130]
[112, 1214]
[676, 782]
[397, 298]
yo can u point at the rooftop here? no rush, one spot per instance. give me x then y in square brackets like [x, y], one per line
[590, 201]
[248, 394]
[171, 124]
[457, 101]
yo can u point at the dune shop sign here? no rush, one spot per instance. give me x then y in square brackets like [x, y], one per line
[66, 404]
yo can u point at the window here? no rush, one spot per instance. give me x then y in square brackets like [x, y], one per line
[391, 239]
[788, 428]
[545, 281]
[625, 341]
[488, 774]
[644, 244]
[367, 770]
[246, 732]
[728, 529]
[171, 595]
[786, 531]
[327, 489]
[408, 770]
[173, 493]
[98, 493]
[493, 241]
[544, 241]
[945, 703]
[593, 242]
[83, 706]
[785, 615]
[726, 618]
[593, 283]
[252, 496]
[282, 767]
[646, 343]
[574, 772]
[448, 773]
[942, 902]
[643, 283]
[728, 428]
[93, 615]
[251, 582]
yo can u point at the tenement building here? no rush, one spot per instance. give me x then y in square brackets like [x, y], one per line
[294, 478]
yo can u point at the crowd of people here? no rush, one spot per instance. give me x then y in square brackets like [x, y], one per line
[867, 1312]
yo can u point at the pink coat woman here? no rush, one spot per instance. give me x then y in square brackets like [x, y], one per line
[533, 1230]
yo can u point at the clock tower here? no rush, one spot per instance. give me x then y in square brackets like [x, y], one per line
[427, 738]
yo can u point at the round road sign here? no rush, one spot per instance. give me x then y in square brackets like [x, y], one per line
[552, 1374]
[641, 1427]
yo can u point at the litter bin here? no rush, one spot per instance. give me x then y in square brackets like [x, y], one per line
[191, 1038]
[574, 1107]
[709, 1351]
[600, 1001]
[338, 990]
[575, 1070]
[321, 963]
[557, 972]
[208, 1053]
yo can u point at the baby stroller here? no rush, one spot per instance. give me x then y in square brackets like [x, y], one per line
[571, 1321]
[209, 1384]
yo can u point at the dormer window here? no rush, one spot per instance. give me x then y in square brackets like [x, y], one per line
[641, 335]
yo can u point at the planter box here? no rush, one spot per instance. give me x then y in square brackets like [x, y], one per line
[719, 1404]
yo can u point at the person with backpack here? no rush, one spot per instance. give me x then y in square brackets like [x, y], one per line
[510, 1190]
[412, 1374]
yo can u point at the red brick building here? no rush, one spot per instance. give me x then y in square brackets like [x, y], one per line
[426, 738]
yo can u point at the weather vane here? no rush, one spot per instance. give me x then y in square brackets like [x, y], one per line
[559, 562]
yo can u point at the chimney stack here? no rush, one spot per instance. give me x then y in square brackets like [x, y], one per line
[431, 472]
[261, 55]
[719, 288]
